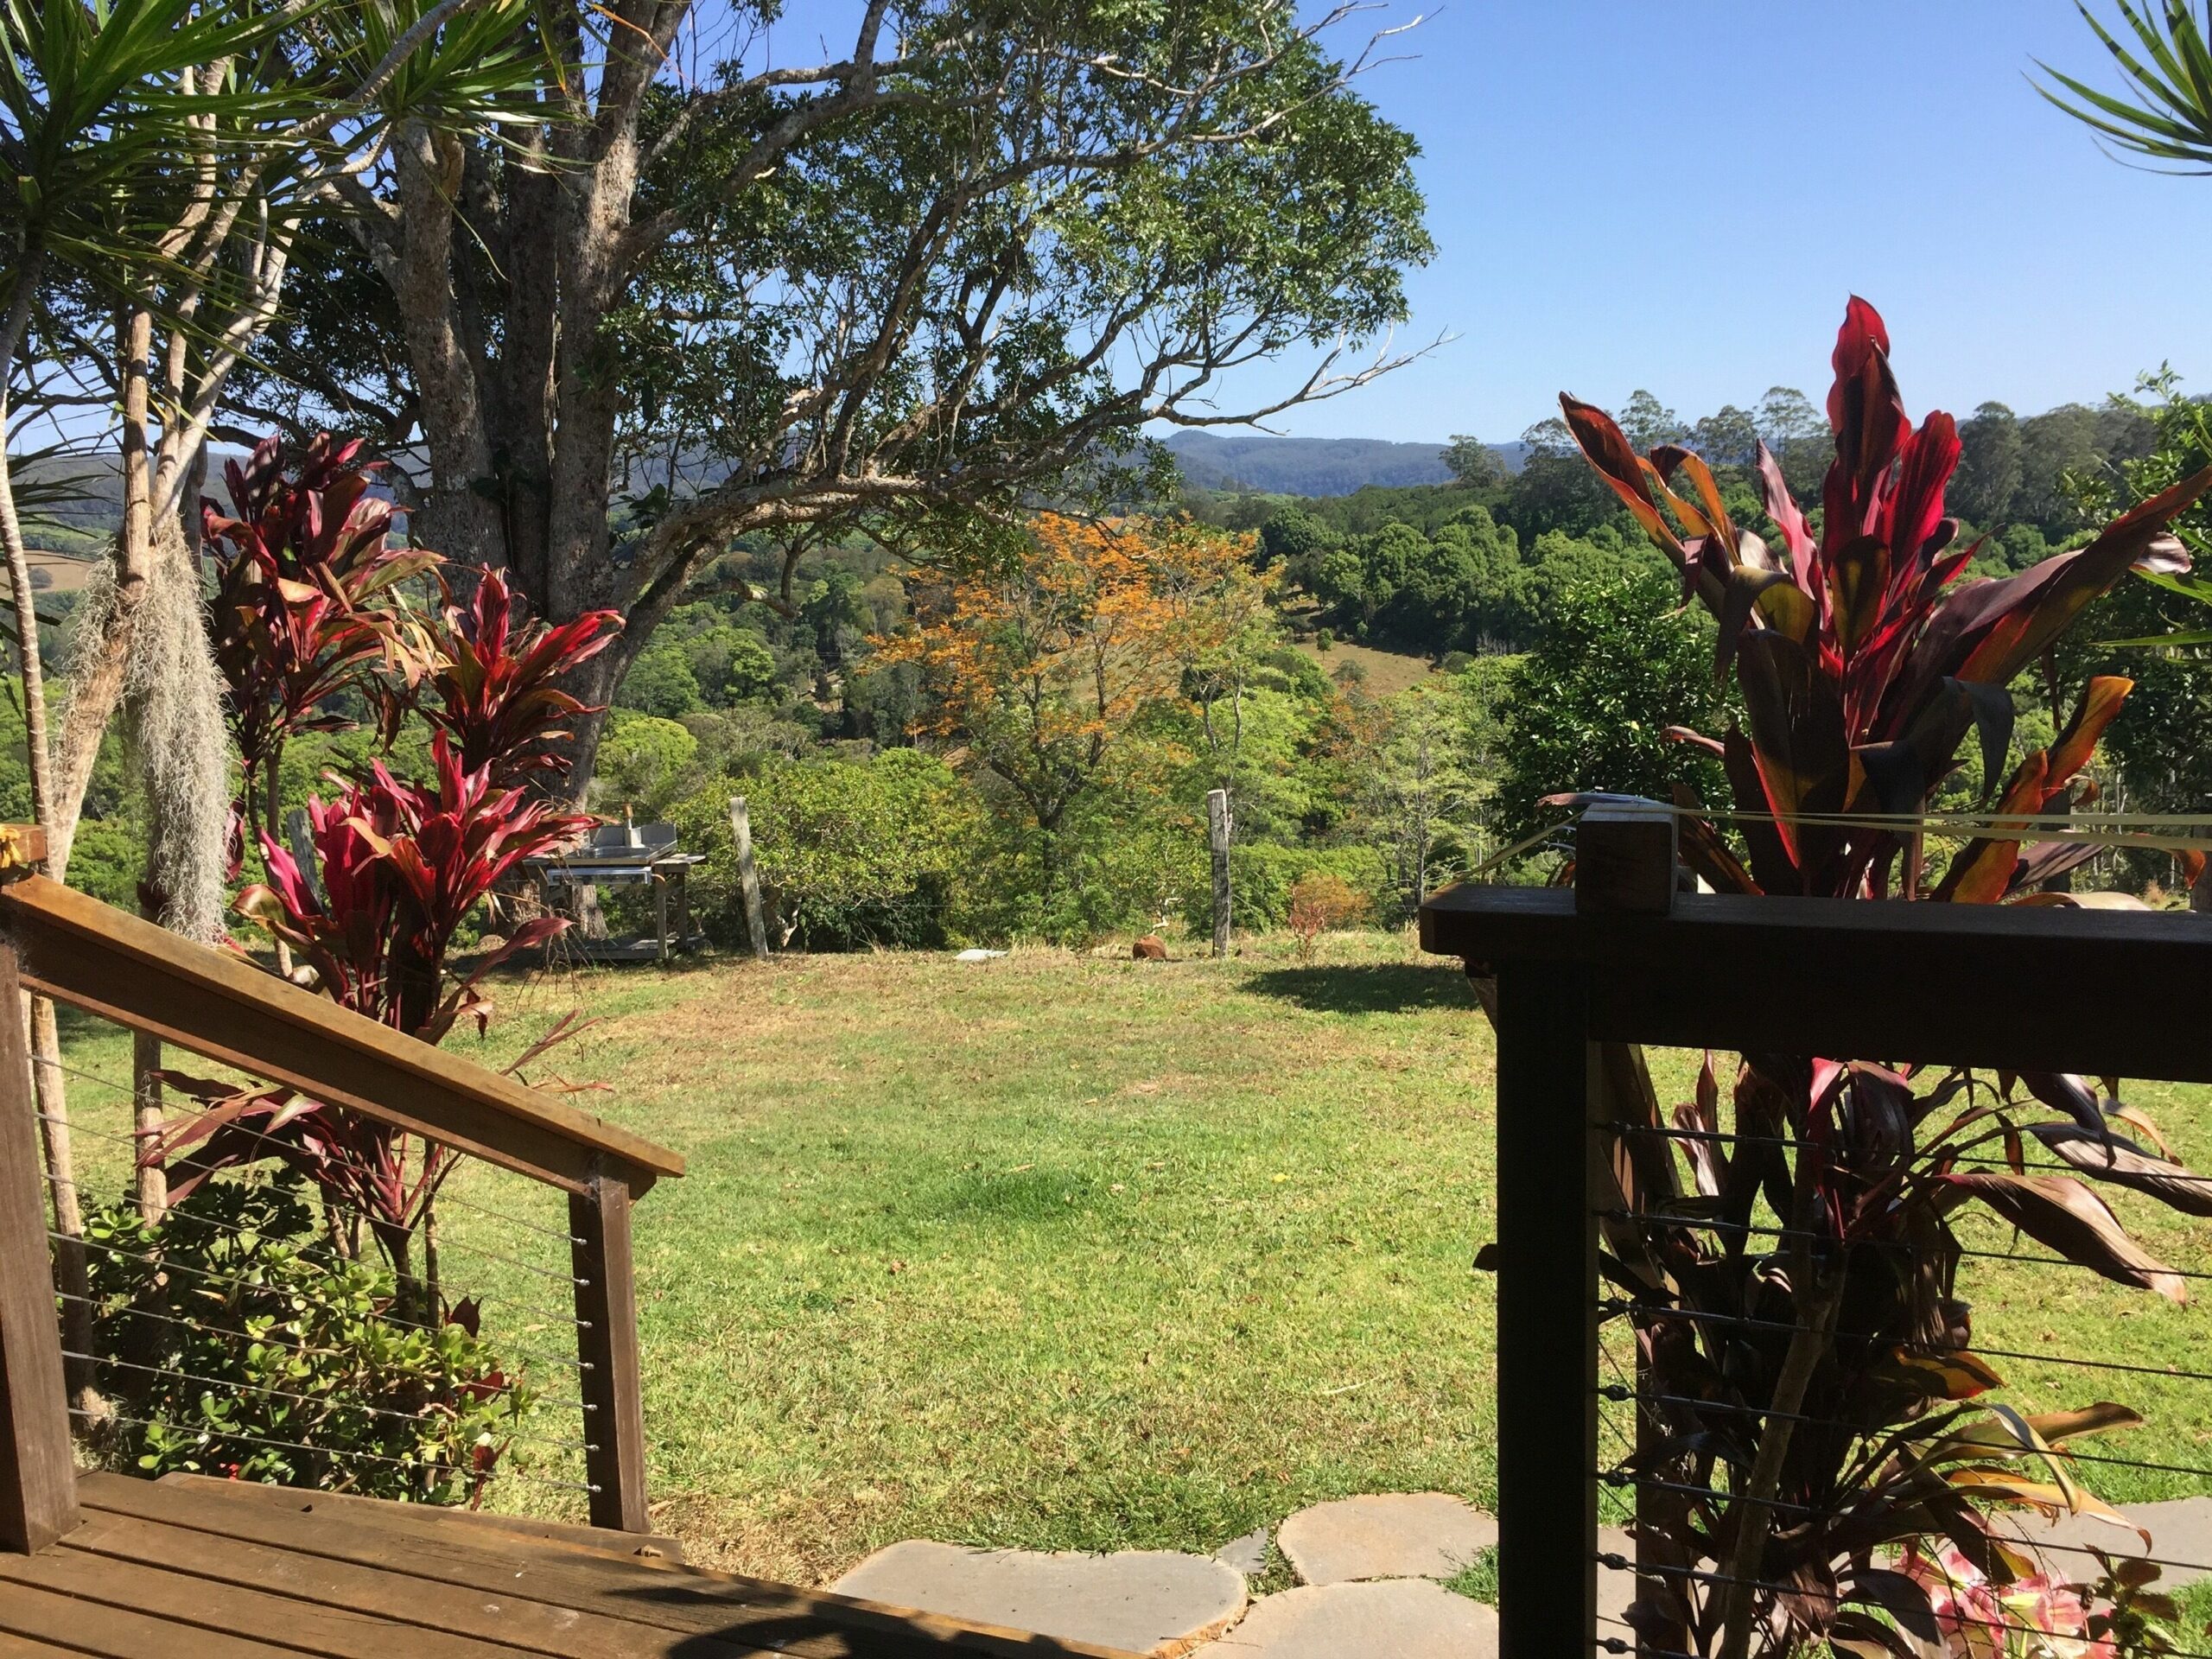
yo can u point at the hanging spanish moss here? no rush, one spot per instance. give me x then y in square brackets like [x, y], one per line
[173, 712]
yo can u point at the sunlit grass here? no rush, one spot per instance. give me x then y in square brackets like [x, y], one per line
[1081, 1253]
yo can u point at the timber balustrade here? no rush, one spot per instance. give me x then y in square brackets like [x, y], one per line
[1572, 977]
[85, 954]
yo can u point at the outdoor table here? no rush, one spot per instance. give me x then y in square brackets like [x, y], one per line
[618, 855]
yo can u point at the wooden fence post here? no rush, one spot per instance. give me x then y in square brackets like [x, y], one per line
[741, 828]
[606, 1342]
[38, 1476]
[1218, 829]
[1547, 1323]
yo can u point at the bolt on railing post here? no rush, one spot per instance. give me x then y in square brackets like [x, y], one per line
[38, 1476]
[606, 1343]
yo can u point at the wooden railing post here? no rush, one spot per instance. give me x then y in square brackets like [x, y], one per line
[1547, 1321]
[38, 1476]
[606, 1342]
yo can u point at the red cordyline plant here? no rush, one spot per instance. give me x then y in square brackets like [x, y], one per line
[402, 867]
[303, 575]
[1807, 1379]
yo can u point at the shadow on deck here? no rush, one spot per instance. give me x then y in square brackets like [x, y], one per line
[189, 1567]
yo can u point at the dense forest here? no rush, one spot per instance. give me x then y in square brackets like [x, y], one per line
[1387, 681]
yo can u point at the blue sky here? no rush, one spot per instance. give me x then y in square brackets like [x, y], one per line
[1680, 196]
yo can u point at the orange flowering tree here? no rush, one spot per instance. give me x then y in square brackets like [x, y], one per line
[1042, 667]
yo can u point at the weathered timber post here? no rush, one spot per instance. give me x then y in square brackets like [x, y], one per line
[1218, 829]
[748, 875]
[606, 1343]
[38, 1476]
[147, 1122]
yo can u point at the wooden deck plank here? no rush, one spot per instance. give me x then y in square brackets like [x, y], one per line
[223, 1603]
[404, 1607]
[23, 1647]
[424, 1518]
[83, 1627]
[738, 1611]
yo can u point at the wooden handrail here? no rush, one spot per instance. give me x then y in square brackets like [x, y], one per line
[77, 950]
[2110, 993]
[93, 956]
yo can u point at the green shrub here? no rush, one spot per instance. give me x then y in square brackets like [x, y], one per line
[851, 852]
[1617, 663]
[232, 1334]
[730, 663]
[1261, 875]
[644, 761]
[107, 860]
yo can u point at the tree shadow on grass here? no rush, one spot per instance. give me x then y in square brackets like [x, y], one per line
[1368, 987]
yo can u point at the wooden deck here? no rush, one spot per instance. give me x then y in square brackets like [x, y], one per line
[193, 1568]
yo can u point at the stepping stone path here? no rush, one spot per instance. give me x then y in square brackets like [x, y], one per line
[1247, 1555]
[1152, 1601]
[1369, 1567]
[1395, 1619]
[1397, 1535]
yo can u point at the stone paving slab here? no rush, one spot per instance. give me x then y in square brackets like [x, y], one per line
[1394, 1535]
[1247, 1555]
[1394, 1618]
[2180, 1529]
[1153, 1602]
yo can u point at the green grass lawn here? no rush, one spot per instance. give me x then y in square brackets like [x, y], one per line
[1073, 1252]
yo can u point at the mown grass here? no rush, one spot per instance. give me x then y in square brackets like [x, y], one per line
[1077, 1253]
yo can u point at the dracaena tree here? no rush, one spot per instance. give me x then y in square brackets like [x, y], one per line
[304, 568]
[400, 867]
[1810, 1382]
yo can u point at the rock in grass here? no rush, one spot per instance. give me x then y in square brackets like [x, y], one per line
[1247, 1555]
[1392, 1535]
[1151, 1601]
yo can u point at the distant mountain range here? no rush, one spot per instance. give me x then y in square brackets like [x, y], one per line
[76, 501]
[1314, 466]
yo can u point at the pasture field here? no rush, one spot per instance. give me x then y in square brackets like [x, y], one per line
[1072, 1252]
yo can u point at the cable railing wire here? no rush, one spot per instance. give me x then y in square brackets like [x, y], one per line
[317, 1450]
[1617, 1562]
[130, 1093]
[105, 1311]
[167, 1266]
[445, 1245]
[1761, 1230]
[337, 1406]
[282, 1147]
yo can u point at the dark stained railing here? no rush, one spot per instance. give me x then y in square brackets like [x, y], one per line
[60, 944]
[1576, 981]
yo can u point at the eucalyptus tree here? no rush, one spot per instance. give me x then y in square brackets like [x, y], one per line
[710, 294]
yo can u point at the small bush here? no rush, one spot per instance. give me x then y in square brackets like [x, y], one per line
[1322, 903]
[1262, 874]
[851, 852]
[232, 1334]
[646, 761]
[660, 683]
